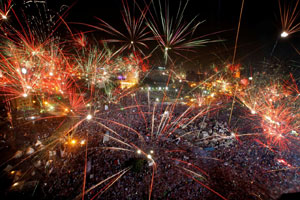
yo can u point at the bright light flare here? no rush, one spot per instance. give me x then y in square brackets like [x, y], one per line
[284, 34]
[15, 184]
[89, 117]
[24, 70]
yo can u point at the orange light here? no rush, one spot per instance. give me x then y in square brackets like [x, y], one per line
[193, 85]
[73, 141]
[15, 184]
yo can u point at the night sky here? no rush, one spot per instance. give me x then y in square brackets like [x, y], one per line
[260, 26]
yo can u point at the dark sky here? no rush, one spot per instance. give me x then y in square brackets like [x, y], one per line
[259, 31]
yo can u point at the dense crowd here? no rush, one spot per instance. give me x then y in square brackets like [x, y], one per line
[191, 157]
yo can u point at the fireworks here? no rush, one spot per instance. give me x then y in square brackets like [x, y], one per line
[91, 114]
[271, 103]
[172, 33]
[288, 16]
[284, 34]
[5, 8]
[137, 34]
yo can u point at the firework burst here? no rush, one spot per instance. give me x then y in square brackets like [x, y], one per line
[173, 34]
[136, 34]
[288, 16]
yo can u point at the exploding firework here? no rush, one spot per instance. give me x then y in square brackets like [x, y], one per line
[5, 8]
[273, 104]
[136, 34]
[173, 34]
[94, 124]
[288, 15]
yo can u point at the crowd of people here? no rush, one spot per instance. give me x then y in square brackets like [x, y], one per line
[166, 151]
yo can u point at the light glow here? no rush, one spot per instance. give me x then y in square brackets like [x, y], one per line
[24, 70]
[284, 34]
